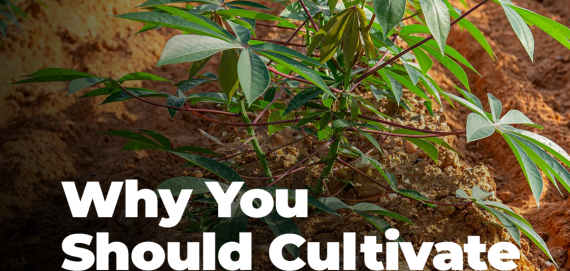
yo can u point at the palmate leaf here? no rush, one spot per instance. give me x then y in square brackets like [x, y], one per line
[189, 48]
[388, 14]
[333, 38]
[197, 19]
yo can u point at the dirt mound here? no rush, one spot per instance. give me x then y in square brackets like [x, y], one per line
[46, 138]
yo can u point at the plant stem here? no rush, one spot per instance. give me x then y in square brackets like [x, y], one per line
[333, 151]
[254, 142]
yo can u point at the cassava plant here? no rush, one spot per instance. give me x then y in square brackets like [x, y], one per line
[350, 49]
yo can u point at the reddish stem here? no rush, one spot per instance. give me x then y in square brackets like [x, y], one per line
[309, 15]
[178, 108]
[300, 162]
[271, 151]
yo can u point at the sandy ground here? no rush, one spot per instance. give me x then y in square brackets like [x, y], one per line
[46, 137]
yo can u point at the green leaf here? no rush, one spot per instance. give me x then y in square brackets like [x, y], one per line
[282, 50]
[378, 223]
[325, 120]
[394, 85]
[296, 12]
[324, 31]
[132, 135]
[480, 194]
[517, 117]
[301, 98]
[254, 77]
[197, 66]
[249, 14]
[437, 19]
[198, 150]
[351, 41]
[521, 29]
[197, 26]
[300, 69]
[341, 123]
[228, 72]
[53, 75]
[143, 76]
[388, 14]
[213, 166]
[82, 83]
[504, 219]
[408, 85]
[372, 208]
[248, 4]
[505, 209]
[426, 147]
[165, 142]
[542, 142]
[558, 31]
[472, 29]
[242, 33]
[333, 38]
[189, 48]
[478, 127]
[528, 167]
[371, 139]
[496, 107]
[544, 161]
[424, 60]
[121, 96]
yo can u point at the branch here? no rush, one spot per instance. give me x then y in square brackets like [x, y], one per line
[239, 124]
[392, 60]
[178, 108]
[309, 15]
[300, 162]
[269, 152]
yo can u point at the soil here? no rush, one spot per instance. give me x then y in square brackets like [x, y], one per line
[47, 138]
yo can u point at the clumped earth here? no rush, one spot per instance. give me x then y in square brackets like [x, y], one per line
[47, 138]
